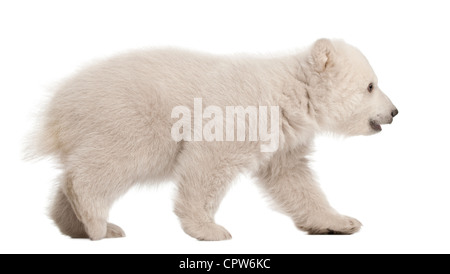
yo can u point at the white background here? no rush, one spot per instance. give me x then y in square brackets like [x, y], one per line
[396, 183]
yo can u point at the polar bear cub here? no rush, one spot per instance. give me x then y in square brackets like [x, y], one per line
[112, 126]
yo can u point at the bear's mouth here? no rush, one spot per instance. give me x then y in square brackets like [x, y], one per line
[375, 125]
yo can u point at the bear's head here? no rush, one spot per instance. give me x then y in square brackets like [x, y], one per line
[345, 91]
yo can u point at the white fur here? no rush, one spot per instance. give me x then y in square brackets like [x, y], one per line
[109, 126]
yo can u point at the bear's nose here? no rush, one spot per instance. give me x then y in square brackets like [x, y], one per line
[394, 112]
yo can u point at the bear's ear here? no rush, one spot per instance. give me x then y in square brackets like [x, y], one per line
[323, 54]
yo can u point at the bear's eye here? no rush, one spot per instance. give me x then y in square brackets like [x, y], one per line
[370, 87]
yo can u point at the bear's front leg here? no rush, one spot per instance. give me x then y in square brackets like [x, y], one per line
[204, 173]
[289, 181]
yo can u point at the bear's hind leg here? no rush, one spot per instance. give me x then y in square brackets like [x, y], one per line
[91, 194]
[62, 213]
[68, 223]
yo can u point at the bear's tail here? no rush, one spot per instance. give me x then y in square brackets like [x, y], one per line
[44, 140]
